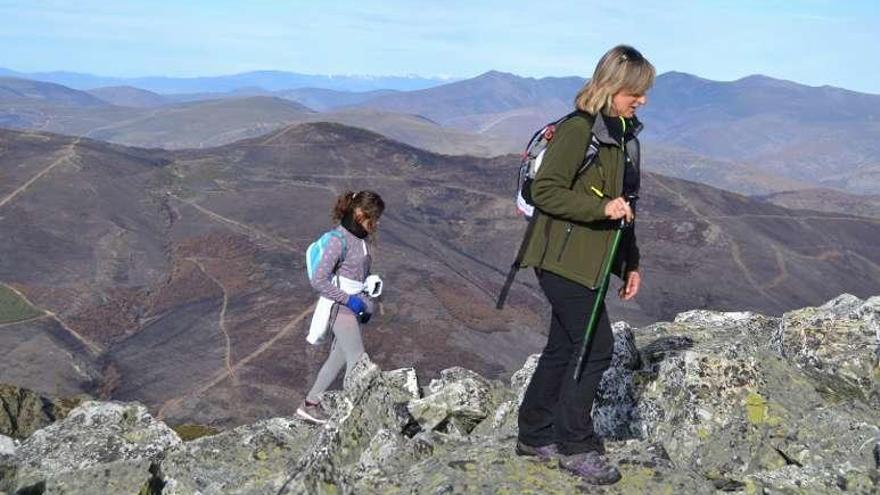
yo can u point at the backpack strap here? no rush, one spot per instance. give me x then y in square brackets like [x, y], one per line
[517, 262]
[341, 237]
[590, 155]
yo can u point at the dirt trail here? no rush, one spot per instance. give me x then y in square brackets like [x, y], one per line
[95, 349]
[442, 255]
[229, 370]
[222, 375]
[67, 154]
[237, 226]
[332, 189]
[870, 262]
[735, 249]
[426, 182]
[19, 322]
[799, 217]
[783, 271]
[222, 322]
[120, 124]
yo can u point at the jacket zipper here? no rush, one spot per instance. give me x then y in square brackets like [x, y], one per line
[568, 230]
[611, 232]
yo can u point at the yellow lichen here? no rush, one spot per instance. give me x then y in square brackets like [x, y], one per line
[637, 479]
[188, 432]
[751, 487]
[703, 433]
[756, 408]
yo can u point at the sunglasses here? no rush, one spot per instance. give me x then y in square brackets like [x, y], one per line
[631, 54]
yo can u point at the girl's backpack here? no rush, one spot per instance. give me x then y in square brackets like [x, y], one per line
[316, 250]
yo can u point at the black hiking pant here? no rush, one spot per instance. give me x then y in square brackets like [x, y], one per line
[556, 408]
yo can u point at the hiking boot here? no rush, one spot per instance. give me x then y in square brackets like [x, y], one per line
[312, 413]
[595, 443]
[544, 452]
[591, 467]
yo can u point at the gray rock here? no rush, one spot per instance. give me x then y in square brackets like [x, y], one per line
[114, 477]
[460, 399]
[404, 378]
[842, 306]
[94, 433]
[713, 318]
[503, 419]
[520, 380]
[456, 374]
[368, 405]
[714, 392]
[625, 354]
[388, 454]
[253, 458]
[615, 404]
[7, 447]
[489, 465]
[837, 344]
[24, 411]
[813, 480]
[712, 401]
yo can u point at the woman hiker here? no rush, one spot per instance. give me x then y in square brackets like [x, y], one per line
[567, 249]
[338, 266]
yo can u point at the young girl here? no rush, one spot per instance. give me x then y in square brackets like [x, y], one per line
[340, 272]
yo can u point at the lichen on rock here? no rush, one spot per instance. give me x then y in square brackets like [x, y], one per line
[711, 401]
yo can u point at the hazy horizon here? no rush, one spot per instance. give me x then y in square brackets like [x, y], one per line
[440, 80]
[812, 42]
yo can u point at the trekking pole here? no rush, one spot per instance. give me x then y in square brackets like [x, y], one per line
[603, 288]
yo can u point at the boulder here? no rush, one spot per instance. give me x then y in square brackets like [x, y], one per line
[24, 411]
[253, 458]
[369, 404]
[95, 433]
[458, 400]
[837, 344]
[716, 393]
[7, 447]
[405, 379]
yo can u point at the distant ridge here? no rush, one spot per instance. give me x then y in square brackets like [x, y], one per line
[489, 93]
[269, 80]
[754, 135]
[129, 96]
[16, 89]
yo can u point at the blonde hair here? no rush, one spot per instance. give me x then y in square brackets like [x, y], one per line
[622, 68]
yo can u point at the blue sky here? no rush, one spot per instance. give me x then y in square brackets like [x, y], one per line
[809, 41]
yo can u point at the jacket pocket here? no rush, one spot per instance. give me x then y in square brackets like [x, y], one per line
[568, 228]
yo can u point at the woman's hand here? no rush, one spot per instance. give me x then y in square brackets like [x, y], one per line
[631, 287]
[618, 208]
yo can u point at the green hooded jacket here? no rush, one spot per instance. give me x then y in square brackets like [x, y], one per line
[572, 235]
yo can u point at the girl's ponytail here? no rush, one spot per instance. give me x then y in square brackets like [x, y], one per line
[344, 205]
[368, 204]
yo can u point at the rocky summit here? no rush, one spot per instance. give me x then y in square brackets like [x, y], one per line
[710, 402]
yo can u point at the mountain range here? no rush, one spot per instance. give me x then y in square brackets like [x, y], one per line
[270, 80]
[756, 135]
[176, 278]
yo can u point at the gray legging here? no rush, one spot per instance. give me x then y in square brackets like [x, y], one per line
[346, 350]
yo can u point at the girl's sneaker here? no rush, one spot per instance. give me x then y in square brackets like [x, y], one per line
[312, 413]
